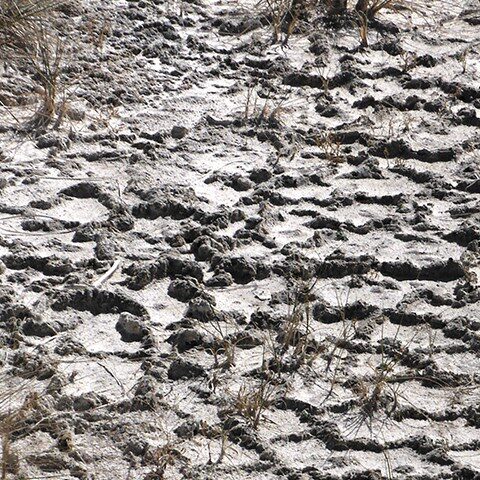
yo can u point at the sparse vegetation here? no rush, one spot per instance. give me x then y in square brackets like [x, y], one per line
[370, 8]
[330, 147]
[276, 262]
[252, 401]
[283, 16]
[161, 458]
[29, 40]
[13, 416]
[47, 68]
[263, 110]
[99, 32]
[363, 28]
[409, 60]
[277, 12]
[19, 19]
[295, 342]
[375, 391]
[223, 343]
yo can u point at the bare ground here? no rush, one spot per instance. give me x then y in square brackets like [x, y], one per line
[293, 240]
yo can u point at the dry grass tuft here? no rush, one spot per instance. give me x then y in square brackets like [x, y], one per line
[29, 41]
[19, 17]
[12, 419]
[21, 22]
[252, 401]
[371, 8]
[163, 457]
[330, 146]
[283, 16]
[47, 67]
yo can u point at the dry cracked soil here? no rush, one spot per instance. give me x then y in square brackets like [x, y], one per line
[239, 259]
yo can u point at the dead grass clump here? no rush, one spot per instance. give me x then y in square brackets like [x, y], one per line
[19, 18]
[367, 11]
[252, 401]
[47, 68]
[261, 109]
[370, 8]
[162, 458]
[12, 420]
[295, 341]
[363, 28]
[276, 12]
[330, 146]
[29, 41]
[224, 344]
[377, 392]
[9, 458]
[284, 15]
